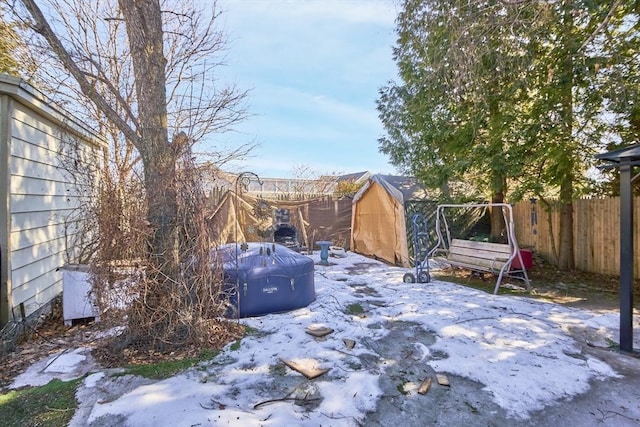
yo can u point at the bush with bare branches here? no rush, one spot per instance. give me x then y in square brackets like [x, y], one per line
[161, 314]
[142, 86]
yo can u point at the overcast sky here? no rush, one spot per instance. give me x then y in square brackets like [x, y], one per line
[313, 68]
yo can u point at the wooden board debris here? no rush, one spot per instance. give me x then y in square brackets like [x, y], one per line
[442, 379]
[318, 331]
[307, 367]
[349, 343]
[425, 386]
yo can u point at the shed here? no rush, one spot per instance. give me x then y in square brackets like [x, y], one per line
[40, 224]
[380, 212]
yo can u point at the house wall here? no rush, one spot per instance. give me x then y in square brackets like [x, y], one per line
[50, 161]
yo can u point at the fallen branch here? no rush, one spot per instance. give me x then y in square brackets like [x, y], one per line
[53, 360]
[59, 410]
[304, 400]
[473, 319]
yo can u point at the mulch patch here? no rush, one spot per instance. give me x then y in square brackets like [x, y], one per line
[52, 336]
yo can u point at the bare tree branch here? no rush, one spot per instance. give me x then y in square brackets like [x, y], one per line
[602, 25]
[42, 27]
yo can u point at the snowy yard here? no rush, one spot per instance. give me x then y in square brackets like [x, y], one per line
[508, 359]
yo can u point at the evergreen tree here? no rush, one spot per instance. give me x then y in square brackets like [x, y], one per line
[9, 41]
[507, 96]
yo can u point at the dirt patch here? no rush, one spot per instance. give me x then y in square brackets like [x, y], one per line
[402, 359]
[570, 288]
[364, 290]
[362, 267]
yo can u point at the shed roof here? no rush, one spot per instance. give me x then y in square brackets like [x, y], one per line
[401, 188]
[355, 177]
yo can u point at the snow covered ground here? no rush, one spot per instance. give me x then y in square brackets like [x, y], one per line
[508, 359]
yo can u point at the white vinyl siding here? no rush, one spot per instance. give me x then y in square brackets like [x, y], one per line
[43, 197]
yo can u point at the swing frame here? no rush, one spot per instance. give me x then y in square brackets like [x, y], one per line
[494, 258]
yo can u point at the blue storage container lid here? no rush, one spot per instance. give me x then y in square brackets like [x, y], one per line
[259, 257]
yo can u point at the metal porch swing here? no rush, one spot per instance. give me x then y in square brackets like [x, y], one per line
[501, 259]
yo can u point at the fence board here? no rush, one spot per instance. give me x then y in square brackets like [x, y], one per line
[596, 233]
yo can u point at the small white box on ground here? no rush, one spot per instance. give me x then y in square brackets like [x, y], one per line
[78, 300]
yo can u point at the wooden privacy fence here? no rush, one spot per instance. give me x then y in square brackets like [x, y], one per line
[596, 232]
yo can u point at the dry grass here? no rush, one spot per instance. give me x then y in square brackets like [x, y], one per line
[572, 288]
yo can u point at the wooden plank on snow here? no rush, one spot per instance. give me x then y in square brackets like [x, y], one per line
[307, 367]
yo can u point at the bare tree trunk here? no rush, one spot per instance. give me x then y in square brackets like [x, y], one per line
[552, 237]
[144, 95]
[565, 255]
[162, 211]
[496, 174]
[498, 226]
[144, 29]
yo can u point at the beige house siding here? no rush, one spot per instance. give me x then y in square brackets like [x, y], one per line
[39, 223]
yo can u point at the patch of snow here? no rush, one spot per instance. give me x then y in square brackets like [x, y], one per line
[519, 349]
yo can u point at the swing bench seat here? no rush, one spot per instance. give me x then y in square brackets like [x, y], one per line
[494, 258]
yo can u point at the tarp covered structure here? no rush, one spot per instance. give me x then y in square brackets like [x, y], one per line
[380, 213]
[247, 218]
[240, 218]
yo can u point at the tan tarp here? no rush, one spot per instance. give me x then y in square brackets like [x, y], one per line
[329, 219]
[236, 219]
[378, 225]
[251, 219]
[379, 217]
